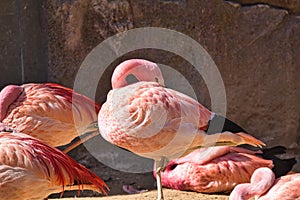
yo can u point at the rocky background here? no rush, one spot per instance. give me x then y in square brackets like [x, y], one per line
[255, 45]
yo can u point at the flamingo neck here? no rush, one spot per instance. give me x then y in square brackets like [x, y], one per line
[261, 181]
[142, 70]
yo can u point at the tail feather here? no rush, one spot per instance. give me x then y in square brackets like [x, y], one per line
[221, 124]
[53, 164]
[62, 164]
[248, 139]
[281, 166]
[235, 139]
[270, 152]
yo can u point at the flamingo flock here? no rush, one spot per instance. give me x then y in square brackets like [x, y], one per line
[145, 118]
[41, 117]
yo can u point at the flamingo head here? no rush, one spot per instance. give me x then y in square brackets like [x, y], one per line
[174, 176]
[138, 69]
[7, 96]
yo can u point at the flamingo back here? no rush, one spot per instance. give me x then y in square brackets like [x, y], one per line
[218, 175]
[48, 110]
[285, 187]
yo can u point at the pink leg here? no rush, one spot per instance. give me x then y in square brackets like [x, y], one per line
[79, 142]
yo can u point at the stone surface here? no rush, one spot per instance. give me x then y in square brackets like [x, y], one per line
[293, 6]
[255, 46]
[23, 42]
[9, 43]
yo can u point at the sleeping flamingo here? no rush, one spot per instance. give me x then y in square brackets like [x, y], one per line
[30, 169]
[220, 169]
[49, 112]
[264, 186]
[156, 122]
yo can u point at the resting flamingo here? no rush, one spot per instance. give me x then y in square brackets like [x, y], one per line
[220, 169]
[47, 111]
[156, 122]
[30, 169]
[264, 186]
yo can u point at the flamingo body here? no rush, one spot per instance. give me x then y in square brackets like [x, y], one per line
[145, 116]
[220, 171]
[145, 112]
[30, 169]
[156, 122]
[285, 187]
[264, 186]
[49, 112]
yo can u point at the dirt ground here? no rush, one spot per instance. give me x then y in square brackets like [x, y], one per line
[116, 179]
[152, 195]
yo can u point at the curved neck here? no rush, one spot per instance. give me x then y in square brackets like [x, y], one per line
[261, 181]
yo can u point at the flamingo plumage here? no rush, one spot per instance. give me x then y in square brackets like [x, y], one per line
[264, 186]
[220, 169]
[47, 111]
[30, 169]
[156, 122]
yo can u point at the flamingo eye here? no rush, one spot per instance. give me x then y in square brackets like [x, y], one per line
[172, 166]
[130, 78]
[156, 79]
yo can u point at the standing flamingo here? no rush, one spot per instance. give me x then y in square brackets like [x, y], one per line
[156, 122]
[30, 169]
[49, 112]
[220, 169]
[264, 186]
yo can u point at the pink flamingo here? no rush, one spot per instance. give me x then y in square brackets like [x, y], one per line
[30, 169]
[220, 169]
[156, 122]
[264, 186]
[49, 112]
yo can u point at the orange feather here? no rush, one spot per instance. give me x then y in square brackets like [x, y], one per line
[41, 163]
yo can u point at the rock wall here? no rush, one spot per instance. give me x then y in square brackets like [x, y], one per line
[255, 44]
[23, 42]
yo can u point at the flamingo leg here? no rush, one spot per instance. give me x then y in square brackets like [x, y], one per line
[160, 195]
[160, 167]
[79, 142]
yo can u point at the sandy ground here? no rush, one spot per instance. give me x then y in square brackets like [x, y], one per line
[152, 195]
[116, 179]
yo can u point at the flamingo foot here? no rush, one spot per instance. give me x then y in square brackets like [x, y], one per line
[131, 190]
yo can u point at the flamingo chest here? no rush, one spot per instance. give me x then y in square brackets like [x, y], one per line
[136, 118]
